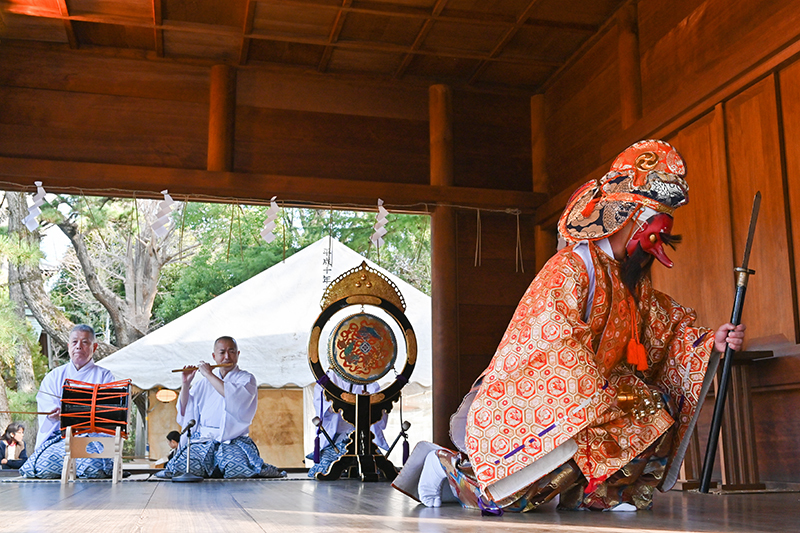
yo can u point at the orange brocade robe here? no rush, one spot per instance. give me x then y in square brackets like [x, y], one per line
[555, 377]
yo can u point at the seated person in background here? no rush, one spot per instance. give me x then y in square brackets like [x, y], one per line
[48, 456]
[12, 447]
[174, 441]
[338, 429]
[223, 404]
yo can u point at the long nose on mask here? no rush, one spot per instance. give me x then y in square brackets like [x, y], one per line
[649, 237]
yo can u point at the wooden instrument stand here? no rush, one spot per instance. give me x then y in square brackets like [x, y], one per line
[75, 448]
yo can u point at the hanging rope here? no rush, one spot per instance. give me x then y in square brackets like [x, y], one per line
[136, 209]
[239, 222]
[230, 236]
[478, 241]
[96, 225]
[183, 224]
[283, 228]
[520, 264]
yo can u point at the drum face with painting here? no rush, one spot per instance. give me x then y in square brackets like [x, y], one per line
[95, 408]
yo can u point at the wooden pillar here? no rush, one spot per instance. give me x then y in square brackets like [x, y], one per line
[541, 181]
[630, 77]
[221, 118]
[545, 242]
[444, 282]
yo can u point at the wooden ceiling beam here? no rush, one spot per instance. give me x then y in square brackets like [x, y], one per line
[333, 36]
[64, 10]
[158, 34]
[249, 18]
[393, 48]
[169, 25]
[421, 36]
[480, 19]
[102, 179]
[504, 40]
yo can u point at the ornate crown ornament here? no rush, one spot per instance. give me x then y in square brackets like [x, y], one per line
[361, 285]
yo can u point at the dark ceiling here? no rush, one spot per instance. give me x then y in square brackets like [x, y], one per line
[500, 44]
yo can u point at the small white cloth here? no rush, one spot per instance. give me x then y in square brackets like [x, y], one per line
[49, 395]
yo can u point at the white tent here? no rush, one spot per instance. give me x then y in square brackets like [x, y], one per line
[270, 315]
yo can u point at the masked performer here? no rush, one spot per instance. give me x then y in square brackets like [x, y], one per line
[336, 427]
[47, 460]
[593, 391]
[223, 403]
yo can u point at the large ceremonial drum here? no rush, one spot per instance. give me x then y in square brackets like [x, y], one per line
[363, 348]
[95, 407]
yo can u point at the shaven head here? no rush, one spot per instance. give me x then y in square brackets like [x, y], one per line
[226, 352]
[227, 338]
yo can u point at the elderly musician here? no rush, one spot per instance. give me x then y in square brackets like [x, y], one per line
[48, 456]
[222, 404]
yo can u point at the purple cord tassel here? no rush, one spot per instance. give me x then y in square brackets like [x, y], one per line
[405, 451]
[316, 449]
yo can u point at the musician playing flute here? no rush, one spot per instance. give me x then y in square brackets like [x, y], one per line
[222, 401]
[48, 456]
[593, 390]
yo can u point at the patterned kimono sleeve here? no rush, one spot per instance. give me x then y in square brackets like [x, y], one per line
[543, 385]
[682, 363]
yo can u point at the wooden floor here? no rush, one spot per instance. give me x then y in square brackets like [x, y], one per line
[302, 505]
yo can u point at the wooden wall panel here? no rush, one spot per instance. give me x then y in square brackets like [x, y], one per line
[491, 141]
[583, 110]
[702, 277]
[328, 145]
[84, 73]
[102, 129]
[488, 294]
[790, 108]
[708, 46]
[324, 94]
[754, 163]
[775, 387]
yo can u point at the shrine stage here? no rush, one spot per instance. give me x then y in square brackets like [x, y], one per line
[301, 505]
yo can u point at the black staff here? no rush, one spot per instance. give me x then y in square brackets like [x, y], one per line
[742, 275]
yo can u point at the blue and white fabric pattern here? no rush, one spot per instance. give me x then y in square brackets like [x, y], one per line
[47, 461]
[236, 459]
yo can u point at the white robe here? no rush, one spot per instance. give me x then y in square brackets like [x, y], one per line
[49, 395]
[334, 423]
[219, 418]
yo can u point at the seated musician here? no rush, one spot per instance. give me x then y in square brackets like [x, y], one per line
[336, 427]
[223, 404]
[47, 459]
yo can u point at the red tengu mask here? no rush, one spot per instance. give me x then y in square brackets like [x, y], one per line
[650, 238]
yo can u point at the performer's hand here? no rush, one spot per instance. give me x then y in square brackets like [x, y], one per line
[204, 368]
[728, 335]
[3, 461]
[188, 374]
[55, 414]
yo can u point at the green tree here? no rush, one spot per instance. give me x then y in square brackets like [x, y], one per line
[231, 250]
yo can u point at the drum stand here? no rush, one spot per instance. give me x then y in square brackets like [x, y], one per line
[76, 448]
[187, 477]
[362, 459]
